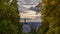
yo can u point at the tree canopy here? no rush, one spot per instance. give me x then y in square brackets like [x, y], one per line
[9, 17]
[50, 17]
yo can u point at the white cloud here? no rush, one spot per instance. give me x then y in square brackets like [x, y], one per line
[31, 15]
[28, 3]
[23, 4]
[28, 6]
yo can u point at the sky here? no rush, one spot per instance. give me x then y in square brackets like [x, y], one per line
[31, 15]
[28, 3]
[27, 13]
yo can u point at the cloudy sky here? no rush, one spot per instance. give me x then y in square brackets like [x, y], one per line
[28, 3]
[27, 13]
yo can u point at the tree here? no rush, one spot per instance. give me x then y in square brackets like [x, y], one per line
[33, 30]
[50, 17]
[6, 27]
[9, 17]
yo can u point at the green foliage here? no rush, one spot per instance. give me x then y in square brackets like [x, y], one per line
[50, 17]
[6, 27]
[9, 18]
[33, 30]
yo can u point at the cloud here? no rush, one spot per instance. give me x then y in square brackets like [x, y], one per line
[28, 3]
[23, 4]
[31, 15]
